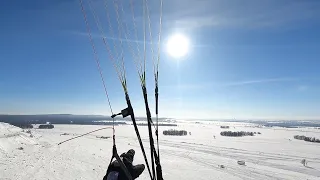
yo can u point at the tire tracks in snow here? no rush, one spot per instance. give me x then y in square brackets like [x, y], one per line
[243, 172]
[249, 157]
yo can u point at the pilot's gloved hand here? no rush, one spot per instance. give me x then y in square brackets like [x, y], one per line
[115, 172]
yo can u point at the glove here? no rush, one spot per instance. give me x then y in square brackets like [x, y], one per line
[115, 172]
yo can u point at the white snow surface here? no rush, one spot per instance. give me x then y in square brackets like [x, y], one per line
[272, 155]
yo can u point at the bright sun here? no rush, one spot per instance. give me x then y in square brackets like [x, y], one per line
[178, 46]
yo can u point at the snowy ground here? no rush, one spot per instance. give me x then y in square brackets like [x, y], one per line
[272, 155]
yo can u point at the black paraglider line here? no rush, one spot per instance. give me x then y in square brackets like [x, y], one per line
[144, 90]
[83, 135]
[123, 82]
[154, 154]
[122, 77]
[156, 93]
[114, 152]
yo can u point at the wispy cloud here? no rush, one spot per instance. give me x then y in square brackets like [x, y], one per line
[232, 13]
[187, 86]
[260, 81]
[190, 14]
[230, 84]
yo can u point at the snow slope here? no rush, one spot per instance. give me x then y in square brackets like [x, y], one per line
[272, 155]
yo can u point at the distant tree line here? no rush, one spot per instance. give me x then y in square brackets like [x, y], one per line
[23, 125]
[224, 127]
[238, 133]
[57, 119]
[146, 124]
[46, 126]
[305, 138]
[68, 119]
[175, 132]
[291, 124]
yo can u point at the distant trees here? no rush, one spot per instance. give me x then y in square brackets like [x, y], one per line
[305, 138]
[103, 137]
[224, 127]
[23, 125]
[173, 132]
[46, 126]
[238, 133]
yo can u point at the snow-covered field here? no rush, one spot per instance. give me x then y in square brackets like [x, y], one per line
[272, 155]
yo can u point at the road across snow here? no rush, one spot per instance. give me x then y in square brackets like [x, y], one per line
[272, 155]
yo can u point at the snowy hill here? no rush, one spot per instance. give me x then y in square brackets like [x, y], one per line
[13, 137]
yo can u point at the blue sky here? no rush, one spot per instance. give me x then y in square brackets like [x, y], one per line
[248, 59]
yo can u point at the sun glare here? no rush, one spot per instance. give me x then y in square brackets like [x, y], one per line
[178, 46]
